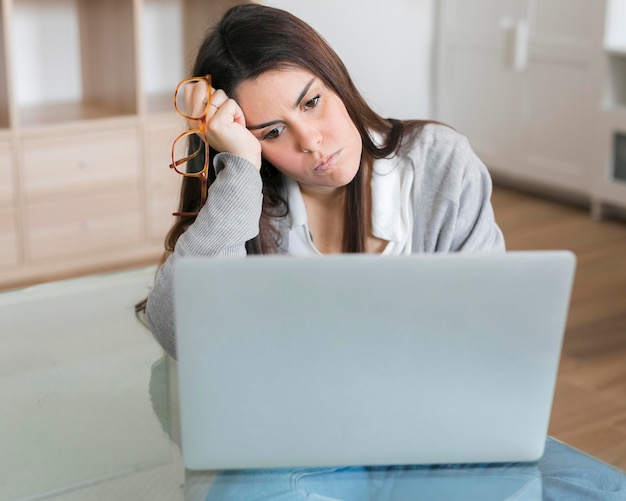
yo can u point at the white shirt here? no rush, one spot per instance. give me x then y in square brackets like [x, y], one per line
[392, 210]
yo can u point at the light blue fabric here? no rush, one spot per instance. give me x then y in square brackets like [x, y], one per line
[570, 475]
[300, 484]
[449, 483]
[563, 474]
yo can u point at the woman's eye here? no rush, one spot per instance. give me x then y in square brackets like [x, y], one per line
[312, 103]
[274, 133]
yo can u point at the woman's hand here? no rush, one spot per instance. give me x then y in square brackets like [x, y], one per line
[226, 129]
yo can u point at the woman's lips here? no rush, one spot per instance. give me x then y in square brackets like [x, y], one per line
[327, 163]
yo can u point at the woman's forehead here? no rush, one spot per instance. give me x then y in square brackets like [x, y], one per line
[276, 80]
[275, 88]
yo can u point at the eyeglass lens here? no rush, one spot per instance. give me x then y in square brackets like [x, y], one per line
[192, 98]
[186, 148]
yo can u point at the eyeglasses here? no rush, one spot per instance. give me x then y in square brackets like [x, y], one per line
[192, 98]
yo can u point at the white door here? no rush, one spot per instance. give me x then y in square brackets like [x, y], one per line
[477, 88]
[561, 91]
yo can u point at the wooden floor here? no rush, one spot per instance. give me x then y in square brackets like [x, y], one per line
[589, 410]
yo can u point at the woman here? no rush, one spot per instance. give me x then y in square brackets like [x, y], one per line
[307, 167]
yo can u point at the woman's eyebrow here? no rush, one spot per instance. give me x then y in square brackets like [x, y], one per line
[274, 122]
[304, 91]
[262, 126]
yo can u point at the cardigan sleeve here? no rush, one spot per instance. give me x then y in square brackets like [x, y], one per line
[227, 221]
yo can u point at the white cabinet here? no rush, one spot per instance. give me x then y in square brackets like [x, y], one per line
[522, 79]
[609, 180]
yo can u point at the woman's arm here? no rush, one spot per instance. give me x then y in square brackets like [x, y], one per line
[452, 197]
[227, 221]
[473, 226]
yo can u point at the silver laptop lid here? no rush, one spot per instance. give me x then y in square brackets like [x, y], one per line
[357, 359]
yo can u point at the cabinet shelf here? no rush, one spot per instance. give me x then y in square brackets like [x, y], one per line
[70, 53]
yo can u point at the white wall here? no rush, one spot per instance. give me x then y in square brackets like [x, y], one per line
[387, 47]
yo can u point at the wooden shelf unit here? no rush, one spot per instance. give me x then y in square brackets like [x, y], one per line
[86, 125]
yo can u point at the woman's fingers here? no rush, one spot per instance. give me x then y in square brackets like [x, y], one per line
[217, 99]
[226, 129]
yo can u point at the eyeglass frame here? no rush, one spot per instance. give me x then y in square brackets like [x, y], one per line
[202, 175]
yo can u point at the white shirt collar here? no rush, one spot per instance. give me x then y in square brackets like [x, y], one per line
[297, 210]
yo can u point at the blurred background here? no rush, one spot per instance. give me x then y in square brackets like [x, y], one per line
[86, 114]
[538, 87]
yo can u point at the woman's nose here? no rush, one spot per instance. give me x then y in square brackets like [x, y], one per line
[309, 139]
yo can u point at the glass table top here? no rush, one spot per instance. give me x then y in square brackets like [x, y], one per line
[88, 411]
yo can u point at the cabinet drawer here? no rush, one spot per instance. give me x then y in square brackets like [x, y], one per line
[163, 183]
[163, 200]
[92, 223]
[6, 174]
[8, 237]
[63, 164]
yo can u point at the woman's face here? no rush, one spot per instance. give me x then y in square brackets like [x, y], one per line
[303, 127]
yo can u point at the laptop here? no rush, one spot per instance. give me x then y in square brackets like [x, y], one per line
[367, 359]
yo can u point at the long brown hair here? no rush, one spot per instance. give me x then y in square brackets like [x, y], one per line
[250, 40]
